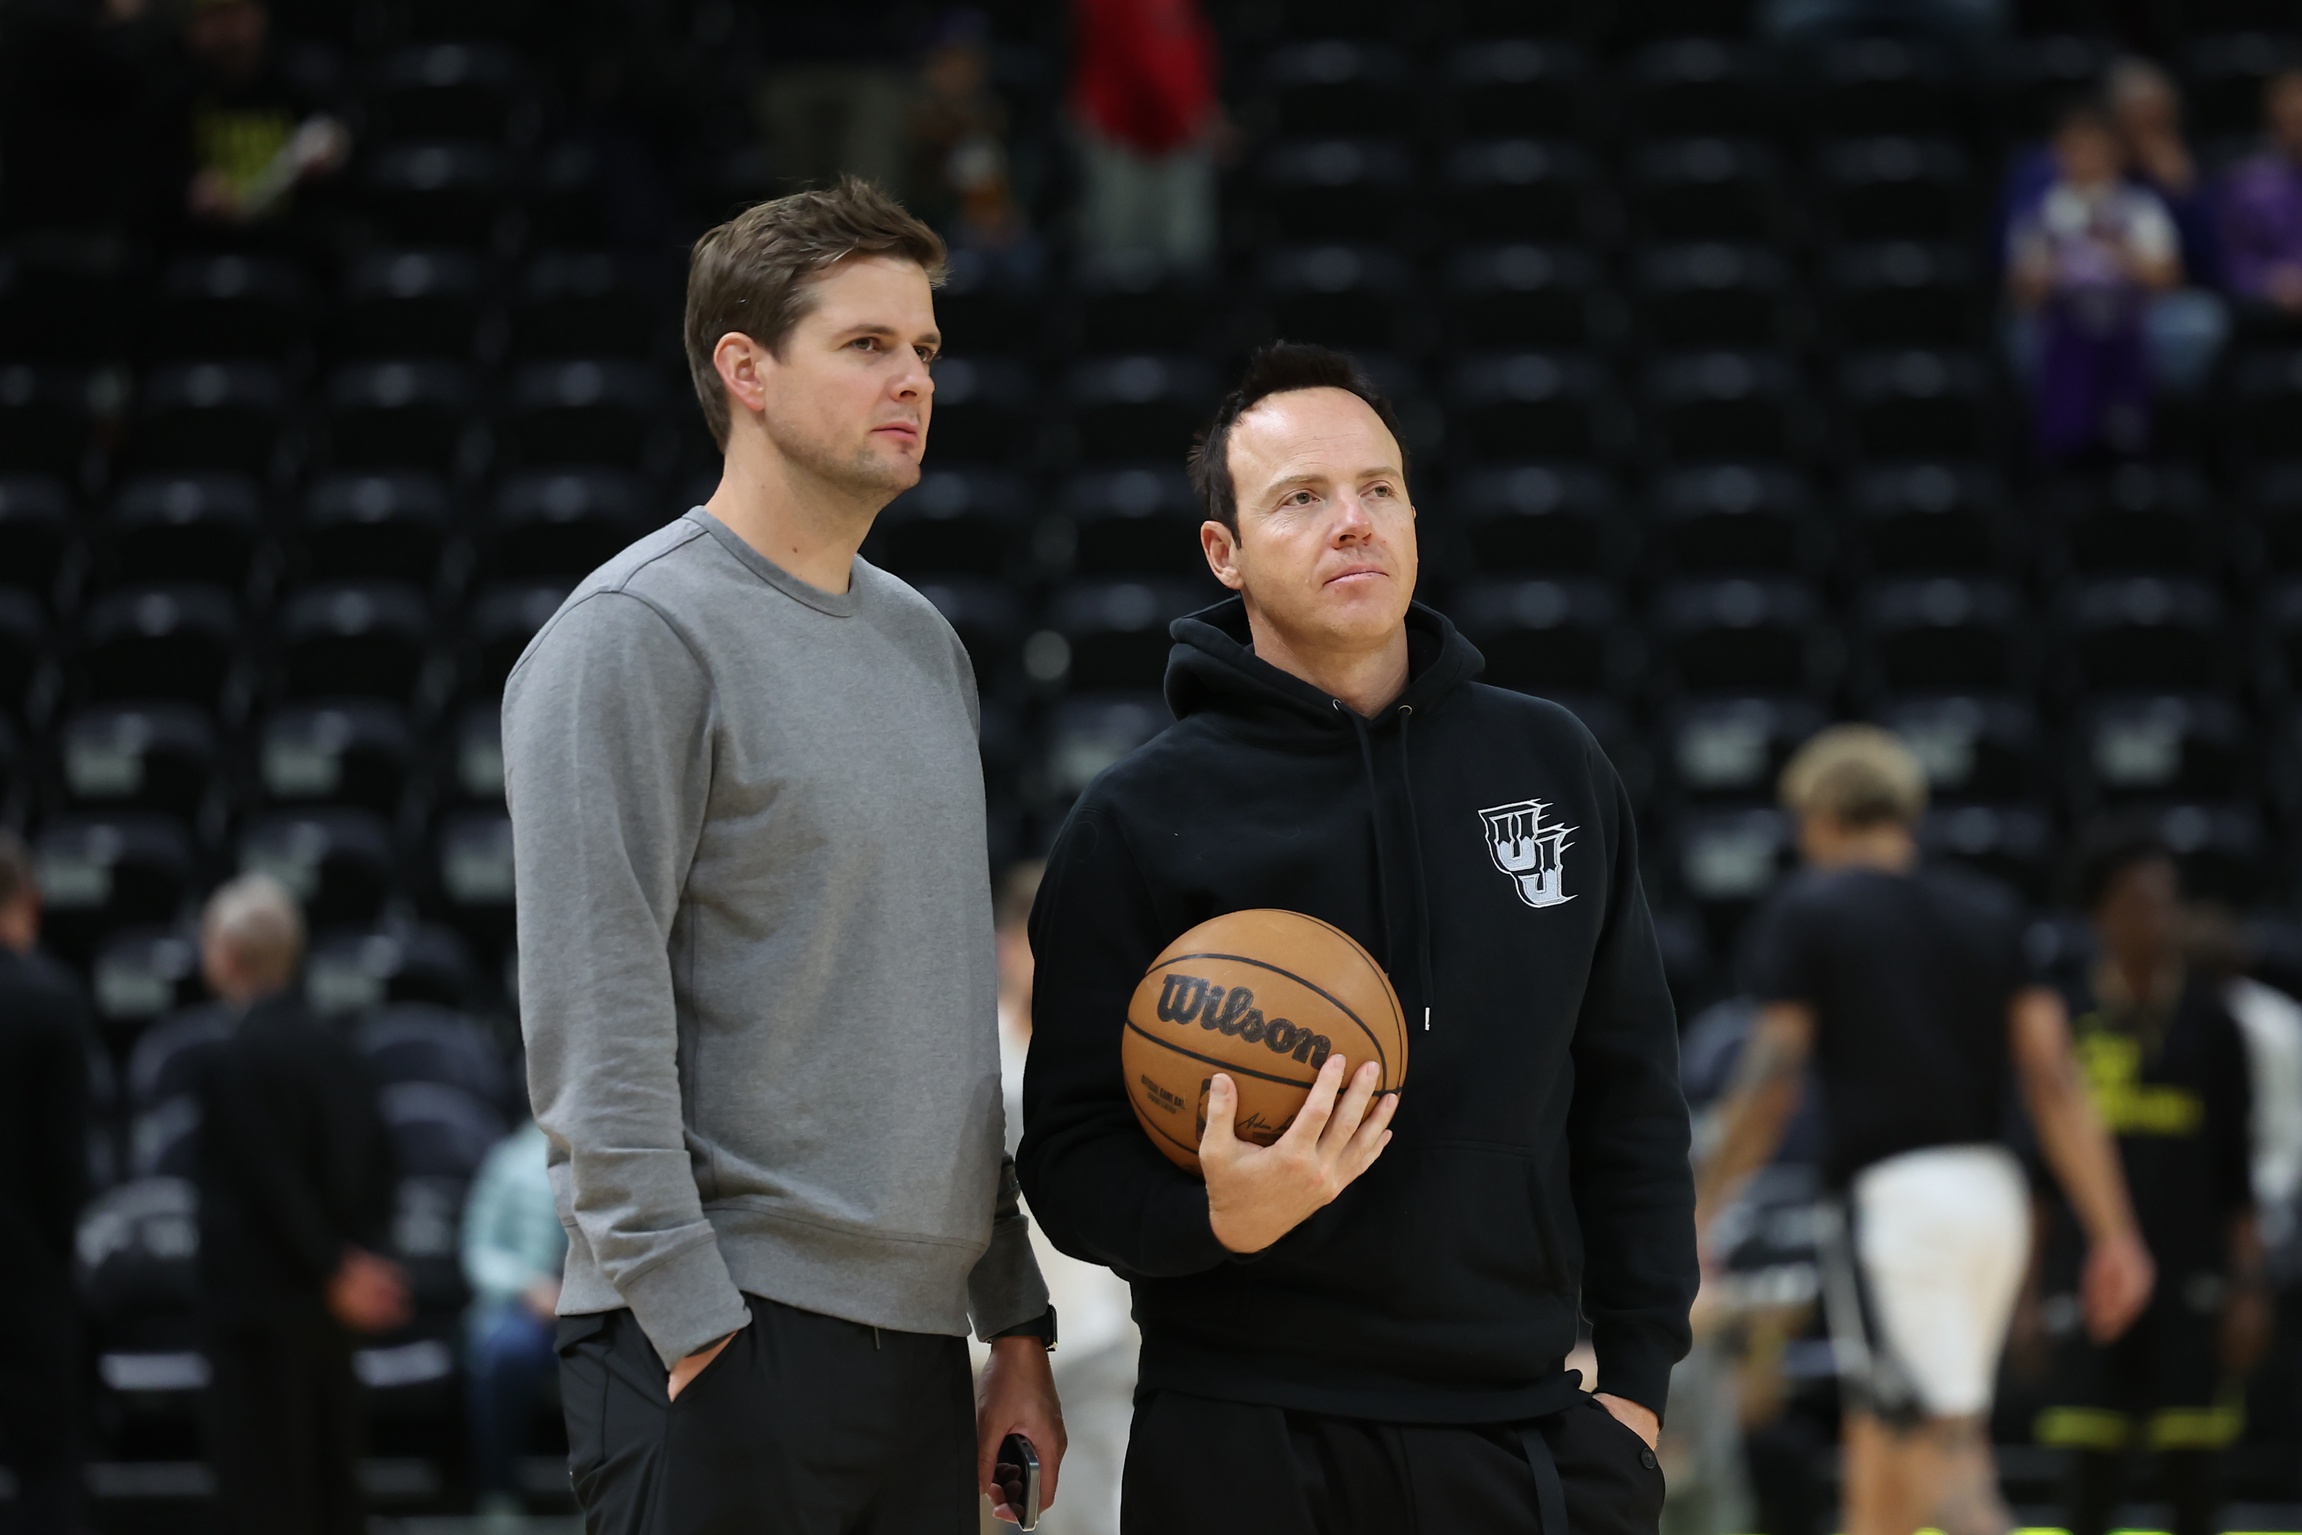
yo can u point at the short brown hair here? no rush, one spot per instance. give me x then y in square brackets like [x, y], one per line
[751, 274]
[1859, 776]
[1280, 368]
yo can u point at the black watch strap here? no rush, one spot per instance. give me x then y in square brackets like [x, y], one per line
[1041, 1327]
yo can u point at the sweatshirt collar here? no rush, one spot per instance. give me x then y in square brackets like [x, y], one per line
[837, 604]
[1214, 667]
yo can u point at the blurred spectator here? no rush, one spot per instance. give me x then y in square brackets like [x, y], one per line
[2262, 206]
[832, 104]
[2167, 1068]
[252, 135]
[960, 178]
[2081, 268]
[1095, 1363]
[1143, 100]
[513, 1250]
[295, 1182]
[2185, 326]
[43, 1179]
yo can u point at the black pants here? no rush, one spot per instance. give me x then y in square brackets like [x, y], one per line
[804, 1425]
[1195, 1464]
[40, 1420]
[284, 1427]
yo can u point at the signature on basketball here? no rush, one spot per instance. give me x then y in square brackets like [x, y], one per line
[1232, 1010]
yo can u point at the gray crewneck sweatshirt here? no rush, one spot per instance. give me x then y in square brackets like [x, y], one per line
[755, 950]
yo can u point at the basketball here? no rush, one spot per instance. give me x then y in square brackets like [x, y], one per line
[1265, 997]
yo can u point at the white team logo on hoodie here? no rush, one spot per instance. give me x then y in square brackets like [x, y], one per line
[1532, 854]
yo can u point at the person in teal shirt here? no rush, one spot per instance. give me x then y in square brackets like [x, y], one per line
[513, 1246]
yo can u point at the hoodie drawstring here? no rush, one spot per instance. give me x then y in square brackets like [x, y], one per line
[1422, 884]
[1415, 848]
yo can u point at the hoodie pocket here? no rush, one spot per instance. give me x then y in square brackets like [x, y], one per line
[1467, 1229]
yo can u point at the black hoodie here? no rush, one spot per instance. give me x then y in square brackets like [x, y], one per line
[1540, 1151]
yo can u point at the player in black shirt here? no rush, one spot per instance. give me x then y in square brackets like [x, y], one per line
[2167, 1068]
[1909, 989]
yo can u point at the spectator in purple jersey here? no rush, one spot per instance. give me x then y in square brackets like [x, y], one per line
[2262, 207]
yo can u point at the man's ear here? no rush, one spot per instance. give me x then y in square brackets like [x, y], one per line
[1221, 546]
[741, 363]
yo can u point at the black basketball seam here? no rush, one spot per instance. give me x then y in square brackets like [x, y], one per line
[1341, 1006]
[1245, 1071]
[1390, 992]
[1145, 1121]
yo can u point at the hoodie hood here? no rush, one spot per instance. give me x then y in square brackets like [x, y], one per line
[1214, 667]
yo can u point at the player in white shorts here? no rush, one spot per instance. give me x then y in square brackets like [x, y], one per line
[1908, 990]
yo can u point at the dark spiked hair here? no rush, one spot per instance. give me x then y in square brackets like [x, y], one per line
[1280, 368]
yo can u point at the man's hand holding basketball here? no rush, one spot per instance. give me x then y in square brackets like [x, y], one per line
[1257, 1194]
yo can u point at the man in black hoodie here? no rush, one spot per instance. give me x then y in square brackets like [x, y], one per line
[1363, 1326]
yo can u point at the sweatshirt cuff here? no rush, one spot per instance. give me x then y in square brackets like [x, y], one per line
[1004, 1289]
[1635, 1363]
[685, 1302]
[1178, 1236]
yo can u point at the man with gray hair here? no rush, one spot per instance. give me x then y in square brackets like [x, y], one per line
[295, 1177]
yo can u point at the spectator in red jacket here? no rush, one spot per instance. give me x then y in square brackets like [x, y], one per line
[1143, 98]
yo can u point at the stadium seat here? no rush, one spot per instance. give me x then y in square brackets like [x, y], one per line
[1740, 635]
[159, 642]
[184, 527]
[1713, 405]
[99, 874]
[1116, 631]
[1518, 85]
[2012, 844]
[169, 1056]
[568, 202]
[1548, 637]
[1932, 519]
[2265, 403]
[2278, 639]
[1974, 747]
[1134, 522]
[23, 645]
[1131, 302]
[424, 1042]
[1130, 409]
[1945, 634]
[503, 620]
[988, 617]
[340, 863]
[439, 1131]
[1337, 295]
[359, 639]
[1333, 188]
[1087, 734]
[36, 532]
[47, 419]
[472, 861]
[1749, 519]
[2224, 851]
[981, 311]
[2135, 633]
[1886, 85]
[560, 523]
[398, 415]
[2140, 518]
[477, 772]
[385, 526]
[1902, 293]
[1727, 859]
[1734, 748]
[573, 304]
[229, 305]
[1919, 404]
[985, 411]
[1697, 85]
[1512, 190]
[449, 194]
[1535, 405]
[141, 974]
[954, 522]
[160, 757]
[358, 753]
[1710, 295]
[1706, 189]
[2162, 747]
[225, 416]
[61, 308]
[447, 91]
[1332, 85]
[591, 411]
[1541, 520]
[351, 972]
[1512, 296]
[2273, 507]
[1895, 189]
[138, 1244]
[410, 303]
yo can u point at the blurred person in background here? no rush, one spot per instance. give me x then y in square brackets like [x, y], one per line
[960, 173]
[1095, 1368]
[2186, 325]
[44, 1033]
[2081, 270]
[295, 1178]
[1909, 988]
[1144, 107]
[2166, 1066]
[251, 135]
[833, 101]
[2262, 207]
[513, 1250]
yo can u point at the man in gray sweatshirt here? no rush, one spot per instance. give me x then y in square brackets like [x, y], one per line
[756, 964]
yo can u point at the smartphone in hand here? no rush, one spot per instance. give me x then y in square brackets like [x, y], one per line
[1017, 1472]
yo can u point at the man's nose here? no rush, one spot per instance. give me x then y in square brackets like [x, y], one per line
[1351, 519]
